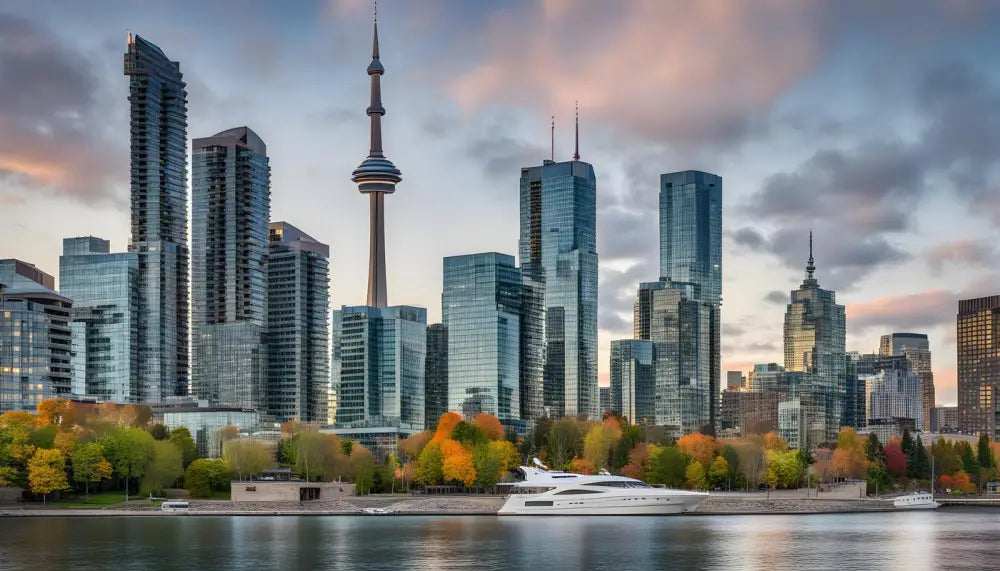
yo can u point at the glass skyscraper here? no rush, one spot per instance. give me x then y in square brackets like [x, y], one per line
[916, 348]
[158, 131]
[378, 366]
[436, 375]
[102, 286]
[231, 204]
[633, 380]
[481, 307]
[298, 306]
[979, 366]
[558, 254]
[35, 338]
[815, 338]
[691, 253]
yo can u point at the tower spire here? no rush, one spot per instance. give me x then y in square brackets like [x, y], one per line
[553, 151]
[810, 264]
[576, 152]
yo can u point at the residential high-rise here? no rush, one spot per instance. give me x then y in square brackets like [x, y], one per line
[298, 306]
[102, 286]
[376, 176]
[481, 307]
[667, 314]
[917, 350]
[378, 366]
[158, 129]
[532, 384]
[231, 204]
[436, 375]
[35, 338]
[979, 366]
[691, 253]
[633, 380]
[605, 393]
[814, 338]
[558, 252]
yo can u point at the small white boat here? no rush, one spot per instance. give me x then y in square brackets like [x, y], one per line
[377, 511]
[550, 492]
[175, 506]
[915, 501]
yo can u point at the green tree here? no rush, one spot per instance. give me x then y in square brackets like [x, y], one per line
[310, 453]
[181, 438]
[695, 475]
[159, 432]
[129, 450]
[346, 447]
[363, 468]
[984, 455]
[784, 469]
[203, 477]
[565, 440]
[164, 468]
[47, 472]
[247, 457]
[430, 465]
[668, 466]
[89, 465]
[488, 463]
[469, 434]
[874, 450]
[718, 473]
[969, 463]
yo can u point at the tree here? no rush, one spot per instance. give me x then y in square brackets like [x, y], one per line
[564, 441]
[446, 424]
[921, 460]
[18, 418]
[957, 483]
[507, 453]
[310, 452]
[164, 468]
[718, 473]
[946, 457]
[159, 432]
[489, 425]
[412, 446]
[698, 446]
[582, 466]
[984, 454]
[246, 457]
[874, 450]
[47, 472]
[129, 450]
[469, 434]
[752, 460]
[488, 463]
[823, 464]
[600, 441]
[774, 442]
[638, 461]
[362, 464]
[65, 442]
[429, 465]
[203, 477]
[89, 465]
[181, 438]
[695, 475]
[55, 412]
[457, 465]
[895, 460]
[849, 459]
[668, 466]
[346, 446]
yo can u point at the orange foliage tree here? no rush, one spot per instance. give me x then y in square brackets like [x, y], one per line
[698, 446]
[638, 462]
[774, 442]
[446, 425]
[582, 466]
[457, 465]
[489, 424]
[958, 482]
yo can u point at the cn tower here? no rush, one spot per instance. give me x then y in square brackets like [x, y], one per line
[376, 176]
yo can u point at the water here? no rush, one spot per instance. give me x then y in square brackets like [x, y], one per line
[946, 539]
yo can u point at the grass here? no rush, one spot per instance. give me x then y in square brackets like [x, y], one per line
[222, 495]
[96, 500]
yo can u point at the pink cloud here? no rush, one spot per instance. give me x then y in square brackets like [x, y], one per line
[908, 311]
[966, 251]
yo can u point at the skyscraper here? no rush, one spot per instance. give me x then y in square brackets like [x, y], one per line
[35, 338]
[979, 366]
[102, 286]
[633, 380]
[436, 375]
[158, 129]
[376, 176]
[231, 203]
[298, 305]
[815, 337]
[691, 253]
[558, 252]
[481, 307]
[916, 349]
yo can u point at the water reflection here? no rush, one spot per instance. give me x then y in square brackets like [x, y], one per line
[916, 540]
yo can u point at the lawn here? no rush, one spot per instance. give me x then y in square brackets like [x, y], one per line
[96, 500]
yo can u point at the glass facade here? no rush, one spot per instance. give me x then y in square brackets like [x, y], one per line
[691, 253]
[916, 348]
[298, 305]
[378, 366]
[230, 209]
[481, 307]
[814, 339]
[680, 329]
[102, 286]
[979, 366]
[205, 424]
[158, 130]
[35, 338]
[436, 375]
[558, 254]
[633, 380]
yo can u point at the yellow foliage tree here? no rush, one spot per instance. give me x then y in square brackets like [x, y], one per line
[47, 472]
[489, 424]
[510, 458]
[457, 465]
[65, 442]
[18, 418]
[446, 425]
[698, 446]
[57, 412]
[695, 475]
[599, 441]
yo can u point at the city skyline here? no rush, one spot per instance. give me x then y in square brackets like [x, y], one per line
[493, 136]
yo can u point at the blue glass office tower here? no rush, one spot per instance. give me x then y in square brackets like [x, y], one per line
[435, 375]
[231, 205]
[558, 254]
[691, 256]
[158, 131]
[102, 286]
[481, 307]
[35, 338]
[298, 305]
[378, 366]
[633, 380]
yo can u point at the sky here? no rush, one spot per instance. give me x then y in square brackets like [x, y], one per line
[876, 125]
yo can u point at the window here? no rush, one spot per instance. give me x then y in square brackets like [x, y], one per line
[574, 492]
[538, 503]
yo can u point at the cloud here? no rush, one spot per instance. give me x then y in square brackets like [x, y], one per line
[969, 252]
[776, 297]
[904, 312]
[52, 131]
[730, 330]
[616, 292]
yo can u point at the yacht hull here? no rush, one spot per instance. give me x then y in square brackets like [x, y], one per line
[637, 505]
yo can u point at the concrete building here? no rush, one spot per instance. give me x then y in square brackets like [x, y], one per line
[750, 412]
[735, 380]
[35, 338]
[944, 419]
[158, 132]
[979, 366]
[291, 492]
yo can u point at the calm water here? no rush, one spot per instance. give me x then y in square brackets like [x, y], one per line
[918, 540]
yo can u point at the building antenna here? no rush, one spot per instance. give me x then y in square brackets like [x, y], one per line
[553, 151]
[576, 152]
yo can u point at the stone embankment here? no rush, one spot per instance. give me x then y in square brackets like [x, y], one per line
[729, 505]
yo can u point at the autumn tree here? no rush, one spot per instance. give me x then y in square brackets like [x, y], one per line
[362, 463]
[47, 472]
[752, 459]
[699, 447]
[600, 441]
[446, 424]
[718, 473]
[823, 464]
[895, 460]
[457, 465]
[488, 464]
[638, 461]
[694, 474]
[849, 459]
[771, 441]
[181, 438]
[310, 451]
[89, 465]
[582, 466]
[507, 453]
[412, 446]
[429, 465]
[489, 425]
[564, 441]
[129, 450]
[65, 442]
[56, 412]
[247, 457]
[958, 482]
[18, 418]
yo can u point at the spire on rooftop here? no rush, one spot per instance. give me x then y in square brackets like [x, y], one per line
[576, 152]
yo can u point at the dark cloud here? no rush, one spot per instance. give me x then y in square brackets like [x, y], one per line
[776, 297]
[968, 252]
[501, 155]
[616, 293]
[748, 237]
[730, 330]
[53, 137]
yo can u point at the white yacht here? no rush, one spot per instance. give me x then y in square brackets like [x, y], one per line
[915, 501]
[550, 492]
